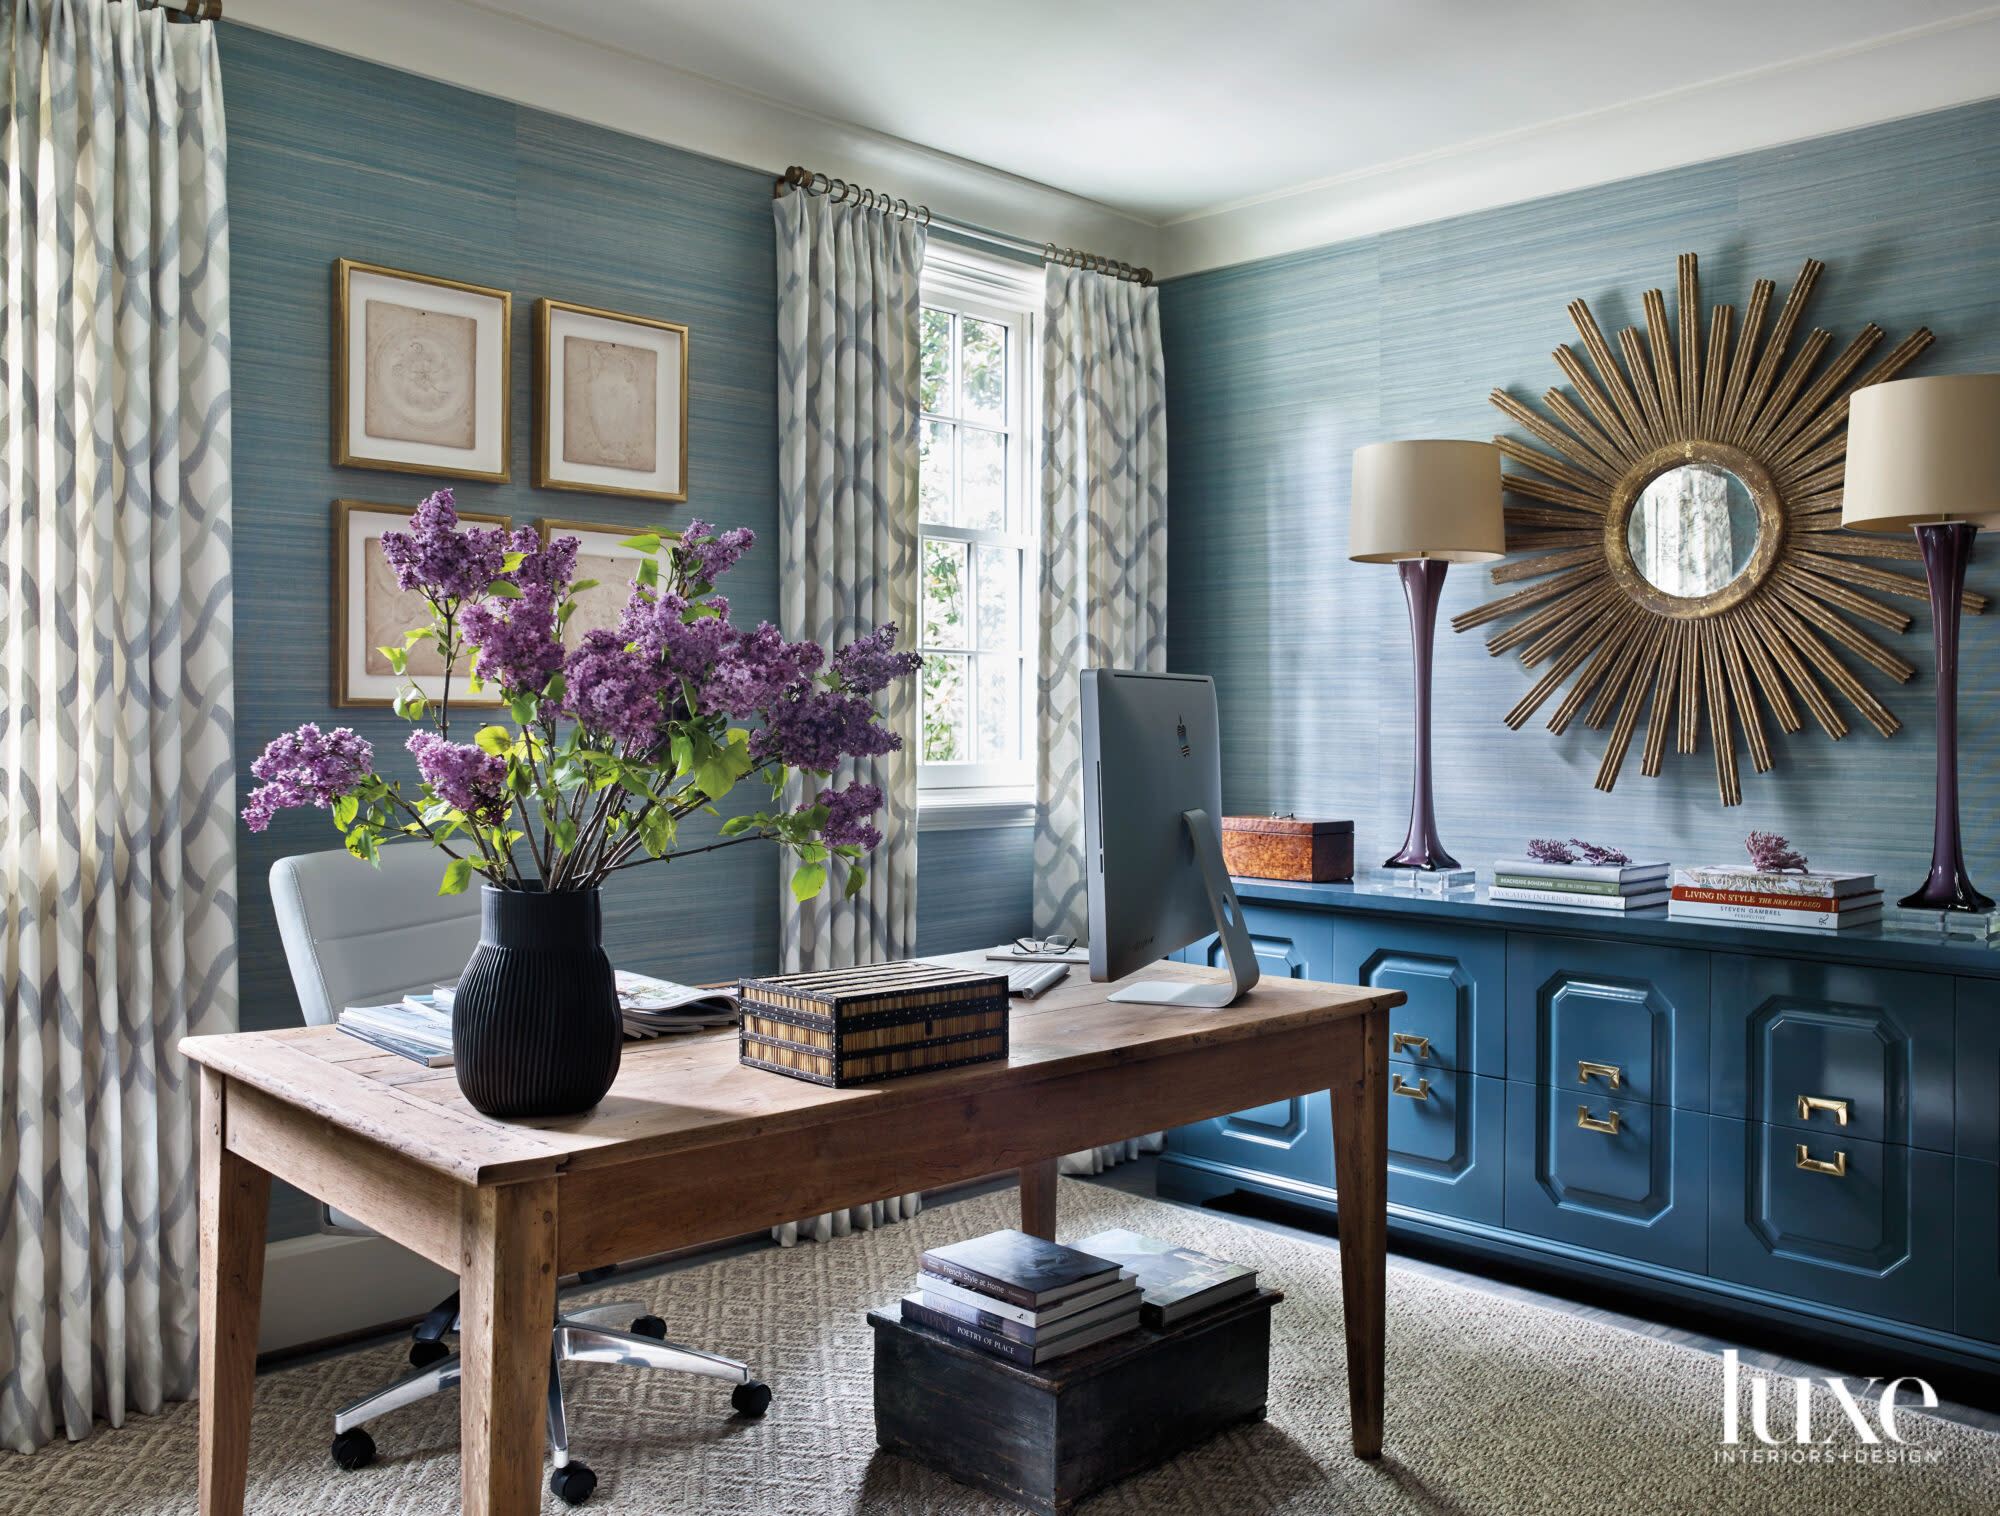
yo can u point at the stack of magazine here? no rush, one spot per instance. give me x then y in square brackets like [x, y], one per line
[1022, 1299]
[419, 1025]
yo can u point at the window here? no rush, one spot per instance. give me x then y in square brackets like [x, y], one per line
[977, 562]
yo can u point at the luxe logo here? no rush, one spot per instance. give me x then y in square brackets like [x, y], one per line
[1180, 733]
[1850, 1401]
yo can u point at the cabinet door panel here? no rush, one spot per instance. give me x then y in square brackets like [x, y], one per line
[1875, 1238]
[1455, 978]
[1642, 1011]
[1639, 1192]
[1447, 1142]
[1978, 1234]
[1288, 1139]
[1877, 1041]
[1978, 1069]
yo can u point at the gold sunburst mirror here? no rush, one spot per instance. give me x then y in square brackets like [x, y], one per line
[1683, 534]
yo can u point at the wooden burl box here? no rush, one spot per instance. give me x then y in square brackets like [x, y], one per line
[1284, 847]
[1047, 1437]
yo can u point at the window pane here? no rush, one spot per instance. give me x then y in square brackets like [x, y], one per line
[934, 475]
[944, 610]
[935, 386]
[946, 735]
[983, 372]
[999, 698]
[982, 480]
[998, 595]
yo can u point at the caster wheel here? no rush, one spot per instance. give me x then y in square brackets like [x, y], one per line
[424, 1353]
[353, 1449]
[752, 1399]
[650, 1326]
[572, 1483]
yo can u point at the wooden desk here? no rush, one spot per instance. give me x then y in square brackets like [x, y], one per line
[690, 1146]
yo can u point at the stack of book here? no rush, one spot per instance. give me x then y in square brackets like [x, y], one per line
[1022, 1299]
[1817, 901]
[1174, 1282]
[1598, 887]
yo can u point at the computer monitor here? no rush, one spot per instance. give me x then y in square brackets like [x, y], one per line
[1152, 799]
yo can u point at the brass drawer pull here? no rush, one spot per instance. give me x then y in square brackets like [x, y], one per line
[1421, 1090]
[1409, 1042]
[1608, 1072]
[1837, 1168]
[1590, 1123]
[1810, 1103]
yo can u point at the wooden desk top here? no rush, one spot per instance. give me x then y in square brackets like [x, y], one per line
[690, 1092]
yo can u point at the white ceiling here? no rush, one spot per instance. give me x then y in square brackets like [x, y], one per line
[1177, 108]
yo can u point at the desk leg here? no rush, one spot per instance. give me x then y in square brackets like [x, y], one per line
[1038, 1200]
[1361, 1169]
[235, 1199]
[507, 1306]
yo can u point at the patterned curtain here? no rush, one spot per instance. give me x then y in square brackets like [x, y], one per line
[848, 356]
[116, 771]
[1104, 562]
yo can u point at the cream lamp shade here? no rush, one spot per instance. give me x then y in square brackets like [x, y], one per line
[1923, 450]
[1426, 500]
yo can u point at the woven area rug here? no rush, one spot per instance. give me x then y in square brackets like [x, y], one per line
[1494, 1406]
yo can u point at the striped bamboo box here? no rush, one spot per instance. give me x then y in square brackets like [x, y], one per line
[845, 1027]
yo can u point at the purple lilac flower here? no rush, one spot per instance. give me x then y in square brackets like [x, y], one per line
[656, 624]
[307, 767]
[615, 693]
[760, 669]
[435, 557]
[816, 728]
[871, 663]
[705, 554]
[463, 776]
[847, 813]
[519, 649]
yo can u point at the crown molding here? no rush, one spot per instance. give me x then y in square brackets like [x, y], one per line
[542, 66]
[1908, 73]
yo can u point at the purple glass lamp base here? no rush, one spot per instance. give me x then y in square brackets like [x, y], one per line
[1423, 582]
[1947, 548]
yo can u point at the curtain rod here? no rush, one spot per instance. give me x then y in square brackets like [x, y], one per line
[184, 10]
[811, 183]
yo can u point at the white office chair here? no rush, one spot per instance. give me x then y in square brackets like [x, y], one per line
[356, 935]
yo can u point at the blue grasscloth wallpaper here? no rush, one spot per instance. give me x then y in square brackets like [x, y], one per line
[1278, 370]
[330, 157]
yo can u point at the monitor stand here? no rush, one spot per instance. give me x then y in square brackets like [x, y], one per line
[1228, 925]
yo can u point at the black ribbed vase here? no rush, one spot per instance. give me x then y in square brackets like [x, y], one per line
[535, 1028]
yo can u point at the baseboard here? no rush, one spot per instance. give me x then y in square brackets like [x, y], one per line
[323, 1287]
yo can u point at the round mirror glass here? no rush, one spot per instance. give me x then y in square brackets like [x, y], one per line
[1693, 530]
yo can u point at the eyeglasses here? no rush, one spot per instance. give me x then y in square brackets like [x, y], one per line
[1050, 945]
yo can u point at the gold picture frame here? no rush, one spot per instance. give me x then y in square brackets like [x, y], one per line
[604, 603]
[611, 403]
[1758, 433]
[367, 607]
[422, 374]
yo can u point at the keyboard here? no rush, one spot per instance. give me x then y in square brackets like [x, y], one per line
[1031, 980]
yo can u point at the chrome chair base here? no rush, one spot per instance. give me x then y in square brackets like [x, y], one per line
[580, 1336]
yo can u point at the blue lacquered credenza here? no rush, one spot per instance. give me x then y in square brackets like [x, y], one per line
[1799, 1128]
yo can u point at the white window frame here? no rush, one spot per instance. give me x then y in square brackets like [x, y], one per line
[951, 795]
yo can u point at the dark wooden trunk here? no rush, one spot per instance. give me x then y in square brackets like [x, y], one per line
[1046, 1438]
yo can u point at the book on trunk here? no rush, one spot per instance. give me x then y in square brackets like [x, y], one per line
[1123, 1302]
[936, 1290]
[1026, 1354]
[1019, 1269]
[1176, 1281]
[854, 1026]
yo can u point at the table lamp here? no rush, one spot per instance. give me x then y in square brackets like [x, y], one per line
[1925, 453]
[1424, 506]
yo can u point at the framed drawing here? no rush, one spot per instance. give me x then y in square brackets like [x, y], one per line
[600, 555]
[421, 377]
[370, 611]
[611, 396]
